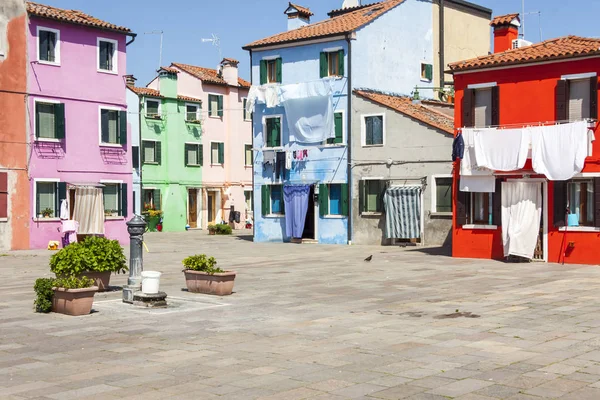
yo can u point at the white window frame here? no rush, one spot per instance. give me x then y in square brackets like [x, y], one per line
[363, 129]
[251, 191]
[344, 135]
[264, 124]
[371, 178]
[56, 50]
[329, 52]
[211, 160]
[110, 108]
[252, 150]
[197, 105]
[146, 100]
[142, 163]
[34, 212]
[434, 194]
[485, 85]
[144, 188]
[115, 43]
[245, 113]
[114, 182]
[49, 101]
[198, 144]
[209, 108]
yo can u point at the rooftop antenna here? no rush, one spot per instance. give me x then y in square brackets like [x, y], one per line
[539, 14]
[216, 42]
[161, 44]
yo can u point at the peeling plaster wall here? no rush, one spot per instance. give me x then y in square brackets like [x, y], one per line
[9, 9]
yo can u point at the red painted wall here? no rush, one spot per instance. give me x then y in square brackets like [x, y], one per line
[527, 97]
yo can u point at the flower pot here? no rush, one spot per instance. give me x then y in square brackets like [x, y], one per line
[102, 279]
[220, 284]
[212, 232]
[152, 222]
[73, 301]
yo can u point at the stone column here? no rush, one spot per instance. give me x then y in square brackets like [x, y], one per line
[136, 228]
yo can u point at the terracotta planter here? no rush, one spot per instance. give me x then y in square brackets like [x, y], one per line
[102, 279]
[201, 282]
[73, 301]
[212, 232]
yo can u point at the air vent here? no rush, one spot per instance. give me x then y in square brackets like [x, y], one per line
[519, 43]
[373, 11]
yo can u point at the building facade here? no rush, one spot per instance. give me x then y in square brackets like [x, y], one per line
[77, 119]
[554, 83]
[133, 127]
[14, 183]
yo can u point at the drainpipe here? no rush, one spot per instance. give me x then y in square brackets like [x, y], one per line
[140, 149]
[349, 137]
[133, 35]
[442, 66]
[252, 137]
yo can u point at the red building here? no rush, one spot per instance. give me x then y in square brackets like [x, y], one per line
[522, 85]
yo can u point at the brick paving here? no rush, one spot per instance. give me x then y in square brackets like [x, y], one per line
[310, 321]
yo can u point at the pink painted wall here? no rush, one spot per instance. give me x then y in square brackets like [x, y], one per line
[79, 158]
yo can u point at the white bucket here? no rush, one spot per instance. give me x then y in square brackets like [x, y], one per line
[150, 281]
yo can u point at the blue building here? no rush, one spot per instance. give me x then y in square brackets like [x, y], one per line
[387, 46]
[133, 109]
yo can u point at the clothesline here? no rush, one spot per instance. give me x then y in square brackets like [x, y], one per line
[528, 124]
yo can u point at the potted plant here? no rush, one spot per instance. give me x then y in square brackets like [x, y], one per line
[47, 212]
[73, 296]
[152, 217]
[203, 276]
[212, 229]
[223, 229]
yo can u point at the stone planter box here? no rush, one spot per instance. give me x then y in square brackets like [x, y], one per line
[102, 279]
[73, 301]
[220, 284]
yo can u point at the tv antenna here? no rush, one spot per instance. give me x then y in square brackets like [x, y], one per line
[216, 42]
[161, 44]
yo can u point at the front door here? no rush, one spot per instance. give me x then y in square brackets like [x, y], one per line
[193, 208]
[309, 224]
[211, 207]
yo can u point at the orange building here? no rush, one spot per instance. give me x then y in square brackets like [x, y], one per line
[524, 85]
[14, 183]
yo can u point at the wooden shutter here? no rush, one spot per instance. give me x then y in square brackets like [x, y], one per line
[186, 160]
[62, 192]
[468, 105]
[267, 133]
[123, 200]
[497, 203]
[123, 127]
[496, 105]
[135, 156]
[597, 202]
[3, 194]
[156, 199]
[345, 196]
[37, 121]
[265, 199]
[323, 65]
[104, 126]
[276, 134]
[462, 207]
[560, 202]
[339, 131]
[221, 153]
[59, 121]
[341, 62]
[562, 101]
[594, 97]
[279, 67]
[263, 72]
[361, 196]
[323, 200]
[429, 72]
[383, 185]
[220, 105]
[200, 154]
[158, 152]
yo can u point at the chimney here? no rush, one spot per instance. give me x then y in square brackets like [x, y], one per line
[506, 30]
[350, 3]
[298, 16]
[130, 80]
[229, 71]
[167, 82]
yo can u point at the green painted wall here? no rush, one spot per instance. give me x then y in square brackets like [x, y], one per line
[171, 176]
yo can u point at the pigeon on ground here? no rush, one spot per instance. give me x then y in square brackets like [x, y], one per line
[369, 258]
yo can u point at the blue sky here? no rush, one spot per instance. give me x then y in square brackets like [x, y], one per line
[238, 22]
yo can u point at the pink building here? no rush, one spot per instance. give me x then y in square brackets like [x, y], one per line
[77, 121]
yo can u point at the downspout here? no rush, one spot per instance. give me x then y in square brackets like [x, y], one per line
[140, 149]
[349, 137]
[133, 35]
[441, 49]
[252, 137]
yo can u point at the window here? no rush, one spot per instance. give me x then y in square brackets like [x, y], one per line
[427, 72]
[215, 104]
[3, 194]
[193, 155]
[441, 195]
[581, 202]
[107, 55]
[113, 127]
[47, 198]
[270, 71]
[49, 120]
[579, 99]
[477, 208]
[135, 156]
[248, 154]
[338, 120]
[481, 212]
[332, 63]
[115, 199]
[272, 132]
[333, 199]
[481, 106]
[152, 199]
[217, 153]
[373, 130]
[48, 46]
[192, 113]
[247, 115]
[153, 109]
[272, 200]
[151, 152]
[371, 193]
[248, 198]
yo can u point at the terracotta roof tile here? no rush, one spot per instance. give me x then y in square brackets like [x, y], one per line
[504, 19]
[404, 105]
[188, 98]
[302, 10]
[142, 91]
[71, 16]
[207, 75]
[554, 49]
[340, 11]
[337, 25]
[230, 60]
[169, 69]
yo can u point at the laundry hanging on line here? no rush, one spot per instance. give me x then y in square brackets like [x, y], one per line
[501, 149]
[521, 217]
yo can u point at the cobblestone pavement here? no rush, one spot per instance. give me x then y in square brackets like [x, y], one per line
[310, 321]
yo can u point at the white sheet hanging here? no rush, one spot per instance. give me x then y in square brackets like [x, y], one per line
[521, 216]
[559, 151]
[468, 165]
[502, 149]
[479, 184]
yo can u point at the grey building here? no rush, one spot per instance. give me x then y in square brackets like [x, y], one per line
[398, 143]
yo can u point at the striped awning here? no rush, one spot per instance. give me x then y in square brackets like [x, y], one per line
[403, 212]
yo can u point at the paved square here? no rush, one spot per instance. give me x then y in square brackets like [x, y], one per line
[311, 321]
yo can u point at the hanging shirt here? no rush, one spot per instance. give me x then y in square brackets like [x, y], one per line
[288, 160]
[64, 209]
[458, 147]
[501, 149]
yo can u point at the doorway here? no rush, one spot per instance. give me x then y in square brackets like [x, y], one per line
[193, 208]
[211, 201]
[309, 222]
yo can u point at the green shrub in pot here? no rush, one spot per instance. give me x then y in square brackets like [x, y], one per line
[105, 255]
[73, 282]
[71, 260]
[223, 229]
[200, 262]
[43, 290]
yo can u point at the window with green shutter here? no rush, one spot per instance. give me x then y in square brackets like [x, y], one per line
[47, 199]
[271, 71]
[192, 154]
[331, 63]
[113, 126]
[272, 202]
[115, 199]
[333, 199]
[371, 193]
[338, 119]
[151, 152]
[215, 104]
[273, 132]
[49, 120]
[426, 72]
[248, 155]
[217, 153]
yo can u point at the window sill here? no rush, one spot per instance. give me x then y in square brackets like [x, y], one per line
[3, 219]
[105, 71]
[578, 229]
[47, 140]
[215, 117]
[371, 214]
[372, 145]
[114, 218]
[217, 165]
[192, 122]
[52, 64]
[334, 216]
[247, 120]
[247, 166]
[150, 163]
[194, 165]
[111, 145]
[153, 118]
[441, 214]
[333, 145]
[426, 80]
[274, 216]
[278, 148]
[488, 227]
[46, 219]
